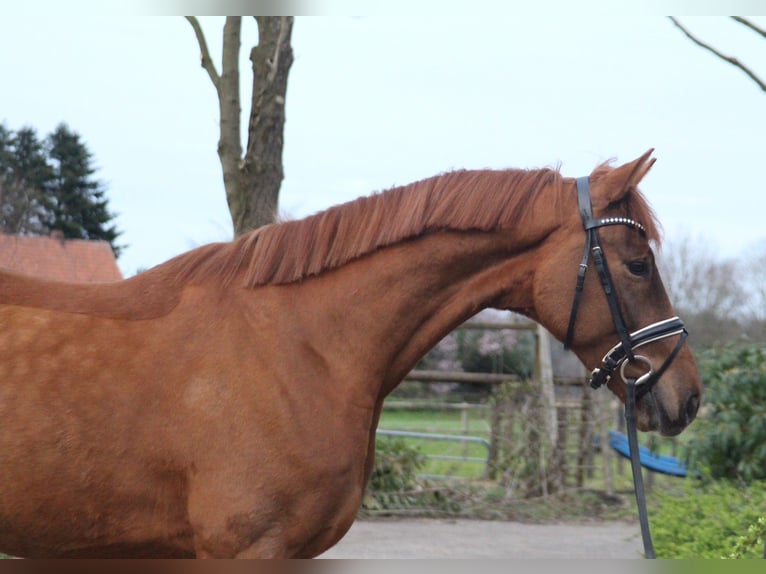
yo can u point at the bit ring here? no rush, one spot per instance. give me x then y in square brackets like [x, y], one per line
[643, 378]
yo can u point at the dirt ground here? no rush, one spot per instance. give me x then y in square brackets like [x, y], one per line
[434, 538]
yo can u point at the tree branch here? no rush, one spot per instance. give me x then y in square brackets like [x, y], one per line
[730, 59]
[230, 144]
[749, 24]
[205, 60]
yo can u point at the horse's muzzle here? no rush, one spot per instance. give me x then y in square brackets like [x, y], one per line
[668, 422]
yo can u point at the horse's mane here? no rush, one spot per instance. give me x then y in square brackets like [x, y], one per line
[294, 250]
[477, 200]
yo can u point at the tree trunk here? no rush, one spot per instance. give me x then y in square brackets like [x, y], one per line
[229, 142]
[252, 181]
[261, 170]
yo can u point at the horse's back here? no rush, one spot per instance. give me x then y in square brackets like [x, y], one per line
[144, 296]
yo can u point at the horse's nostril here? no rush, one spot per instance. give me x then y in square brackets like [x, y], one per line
[692, 405]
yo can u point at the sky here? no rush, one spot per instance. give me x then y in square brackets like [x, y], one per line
[379, 99]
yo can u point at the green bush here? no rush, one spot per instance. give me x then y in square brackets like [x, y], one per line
[395, 486]
[754, 538]
[714, 520]
[729, 439]
[393, 481]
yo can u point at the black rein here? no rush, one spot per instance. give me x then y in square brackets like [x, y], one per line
[622, 354]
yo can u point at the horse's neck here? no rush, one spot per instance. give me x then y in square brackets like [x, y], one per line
[398, 303]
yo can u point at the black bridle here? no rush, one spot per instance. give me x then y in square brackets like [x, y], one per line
[623, 353]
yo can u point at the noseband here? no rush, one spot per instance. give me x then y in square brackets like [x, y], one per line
[623, 353]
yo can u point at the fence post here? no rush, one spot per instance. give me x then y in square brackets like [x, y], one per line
[544, 375]
[494, 438]
[585, 444]
[501, 425]
[465, 425]
[606, 450]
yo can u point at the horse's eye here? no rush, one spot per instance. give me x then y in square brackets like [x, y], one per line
[639, 268]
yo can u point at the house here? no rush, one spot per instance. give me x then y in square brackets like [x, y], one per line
[59, 259]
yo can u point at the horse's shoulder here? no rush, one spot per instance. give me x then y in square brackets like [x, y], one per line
[145, 296]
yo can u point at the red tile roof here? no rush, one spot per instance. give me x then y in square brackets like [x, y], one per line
[75, 260]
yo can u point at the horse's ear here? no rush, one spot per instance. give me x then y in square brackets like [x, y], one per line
[619, 181]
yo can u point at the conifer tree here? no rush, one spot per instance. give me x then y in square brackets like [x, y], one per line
[50, 184]
[79, 203]
[24, 175]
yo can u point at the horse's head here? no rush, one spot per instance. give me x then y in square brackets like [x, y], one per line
[615, 222]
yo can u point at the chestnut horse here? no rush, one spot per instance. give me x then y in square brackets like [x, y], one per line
[224, 403]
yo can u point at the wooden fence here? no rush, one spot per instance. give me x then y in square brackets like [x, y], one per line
[576, 420]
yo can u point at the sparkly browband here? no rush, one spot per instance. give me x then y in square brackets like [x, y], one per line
[604, 221]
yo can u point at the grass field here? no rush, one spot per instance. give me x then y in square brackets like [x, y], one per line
[443, 422]
[432, 420]
[475, 423]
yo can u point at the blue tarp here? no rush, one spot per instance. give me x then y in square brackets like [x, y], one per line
[656, 462]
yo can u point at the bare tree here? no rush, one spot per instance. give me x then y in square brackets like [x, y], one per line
[706, 291]
[752, 269]
[252, 177]
[730, 59]
[20, 210]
